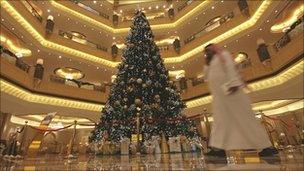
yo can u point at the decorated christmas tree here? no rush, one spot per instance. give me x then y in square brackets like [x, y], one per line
[142, 92]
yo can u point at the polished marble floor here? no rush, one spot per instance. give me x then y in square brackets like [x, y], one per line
[290, 160]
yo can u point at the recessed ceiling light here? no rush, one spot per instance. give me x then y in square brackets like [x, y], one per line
[171, 6]
[225, 46]
[173, 67]
[222, 1]
[68, 18]
[267, 21]
[276, 11]
[212, 7]
[114, 38]
[92, 29]
[237, 40]
[164, 6]
[2, 19]
[260, 29]
[156, 7]
[100, 5]
[58, 15]
[13, 28]
[97, 67]
[196, 18]
[48, 10]
[94, 2]
[59, 57]
[120, 11]
[38, 50]
[150, 8]
[204, 13]
[248, 35]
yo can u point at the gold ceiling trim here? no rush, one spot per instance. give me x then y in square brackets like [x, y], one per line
[279, 79]
[18, 51]
[25, 24]
[27, 96]
[124, 30]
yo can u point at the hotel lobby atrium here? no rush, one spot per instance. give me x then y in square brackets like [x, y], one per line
[152, 85]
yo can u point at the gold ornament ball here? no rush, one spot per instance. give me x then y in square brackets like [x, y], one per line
[139, 81]
[137, 101]
[117, 103]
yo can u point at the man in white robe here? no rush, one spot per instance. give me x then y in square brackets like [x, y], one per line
[235, 126]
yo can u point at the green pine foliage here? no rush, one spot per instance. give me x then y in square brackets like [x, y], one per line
[142, 87]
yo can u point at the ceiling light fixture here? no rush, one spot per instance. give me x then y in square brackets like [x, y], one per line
[59, 57]
[48, 10]
[38, 50]
[150, 8]
[94, 2]
[156, 7]
[212, 7]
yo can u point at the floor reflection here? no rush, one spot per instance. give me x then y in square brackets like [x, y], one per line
[290, 161]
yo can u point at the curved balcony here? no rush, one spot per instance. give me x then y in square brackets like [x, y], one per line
[49, 86]
[289, 54]
[58, 43]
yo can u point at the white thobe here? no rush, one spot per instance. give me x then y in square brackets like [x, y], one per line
[234, 124]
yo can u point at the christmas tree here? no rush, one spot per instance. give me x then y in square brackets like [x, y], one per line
[142, 89]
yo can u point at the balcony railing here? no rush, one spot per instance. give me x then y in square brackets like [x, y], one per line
[32, 10]
[90, 9]
[295, 29]
[211, 25]
[70, 36]
[13, 59]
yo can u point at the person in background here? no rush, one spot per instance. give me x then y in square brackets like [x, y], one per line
[38, 73]
[235, 126]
